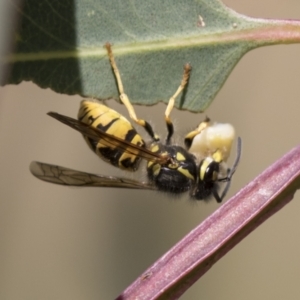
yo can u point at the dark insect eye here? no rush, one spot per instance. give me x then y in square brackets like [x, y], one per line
[212, 171]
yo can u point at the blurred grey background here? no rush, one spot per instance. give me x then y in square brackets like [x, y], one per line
[77, 243]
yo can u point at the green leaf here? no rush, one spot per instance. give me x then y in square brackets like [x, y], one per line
[59, 45]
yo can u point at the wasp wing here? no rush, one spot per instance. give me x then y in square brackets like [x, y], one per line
[109, 140]
[64, 176]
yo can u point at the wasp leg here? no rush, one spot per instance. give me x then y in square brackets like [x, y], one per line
[190, 136]
[124, 98]
[185, 78]
[230, 173]
[216, 195]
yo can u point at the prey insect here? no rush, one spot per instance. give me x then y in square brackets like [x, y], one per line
[170, 168]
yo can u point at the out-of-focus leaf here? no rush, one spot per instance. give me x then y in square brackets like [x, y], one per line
[60, 45]
[8, 25]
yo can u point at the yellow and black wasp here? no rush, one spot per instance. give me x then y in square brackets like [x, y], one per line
[170, 168]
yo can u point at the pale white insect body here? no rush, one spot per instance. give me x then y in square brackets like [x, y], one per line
[217, 136]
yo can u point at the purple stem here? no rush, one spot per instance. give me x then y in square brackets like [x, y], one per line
[188, 260]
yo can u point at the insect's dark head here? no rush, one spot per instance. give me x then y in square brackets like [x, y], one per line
[211, 172]
[207, 181]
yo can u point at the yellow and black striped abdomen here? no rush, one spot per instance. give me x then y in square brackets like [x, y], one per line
[108, 120]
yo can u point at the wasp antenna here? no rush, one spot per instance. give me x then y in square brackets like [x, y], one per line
[238, 156]
[231, 171]
[216, 195]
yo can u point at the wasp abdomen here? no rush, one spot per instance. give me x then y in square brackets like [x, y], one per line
[108, 120]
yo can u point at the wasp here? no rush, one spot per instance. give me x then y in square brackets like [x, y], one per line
[197, 168]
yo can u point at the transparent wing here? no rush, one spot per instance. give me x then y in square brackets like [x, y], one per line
[110, 140]
[65, 176]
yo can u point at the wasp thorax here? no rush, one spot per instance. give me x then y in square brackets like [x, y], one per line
[176, 176]
[173, 165]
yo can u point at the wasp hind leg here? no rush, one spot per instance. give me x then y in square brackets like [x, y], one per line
[124, 98]
[185, 78]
